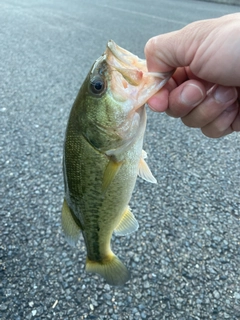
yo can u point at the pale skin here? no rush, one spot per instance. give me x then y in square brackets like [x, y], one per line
[204, 90]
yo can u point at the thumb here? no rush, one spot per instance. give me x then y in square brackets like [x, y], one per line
[200, 47]
[171, 50]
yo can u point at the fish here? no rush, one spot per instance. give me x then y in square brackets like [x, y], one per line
[103, 156]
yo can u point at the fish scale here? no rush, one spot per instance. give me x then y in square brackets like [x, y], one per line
[103, 156]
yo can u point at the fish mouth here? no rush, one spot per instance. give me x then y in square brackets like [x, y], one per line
[129, 77]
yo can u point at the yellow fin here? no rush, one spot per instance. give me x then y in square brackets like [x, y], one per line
[110, 172]
[127, 224]
[144, 171]
[111, 269]
[70, 226]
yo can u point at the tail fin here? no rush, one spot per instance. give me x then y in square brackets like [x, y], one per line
[112, 270]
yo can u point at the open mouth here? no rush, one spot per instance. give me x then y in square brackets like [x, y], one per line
[130, 78]
[125, 58]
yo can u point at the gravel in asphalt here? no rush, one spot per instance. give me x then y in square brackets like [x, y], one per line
[185, 256]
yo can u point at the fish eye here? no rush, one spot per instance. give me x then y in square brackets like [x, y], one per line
[97, 86]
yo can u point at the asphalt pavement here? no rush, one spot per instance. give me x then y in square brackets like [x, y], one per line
[185, 257]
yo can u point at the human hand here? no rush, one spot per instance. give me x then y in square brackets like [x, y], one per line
[204, 91]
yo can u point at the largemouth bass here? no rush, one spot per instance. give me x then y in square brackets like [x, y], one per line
[103, 156]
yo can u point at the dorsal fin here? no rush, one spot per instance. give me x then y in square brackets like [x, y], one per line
[70, 226]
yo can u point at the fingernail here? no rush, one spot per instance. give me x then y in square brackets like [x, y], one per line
[224, 94]
[191, 95]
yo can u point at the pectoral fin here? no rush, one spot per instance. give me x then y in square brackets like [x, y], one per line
[144, 171]
[127, 224]
[70, 226]
[110, 172]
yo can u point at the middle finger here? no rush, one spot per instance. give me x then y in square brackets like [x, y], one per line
[217, 100]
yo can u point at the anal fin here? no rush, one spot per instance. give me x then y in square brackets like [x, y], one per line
[70, 226]
[127, 224]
